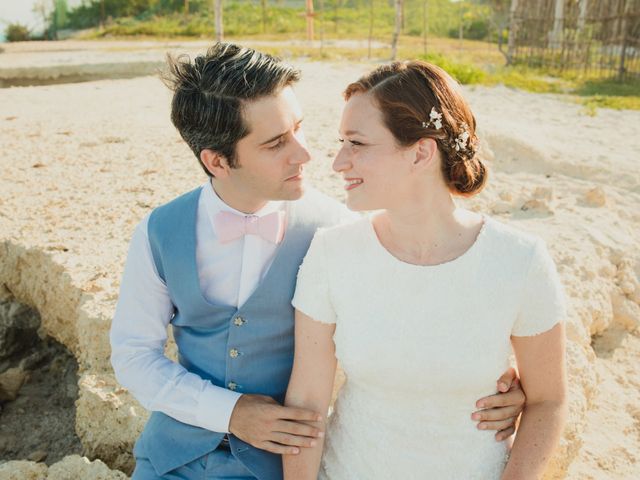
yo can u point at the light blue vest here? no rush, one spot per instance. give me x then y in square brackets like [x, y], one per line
[249, 349]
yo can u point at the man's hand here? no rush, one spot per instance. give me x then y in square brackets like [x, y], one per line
[500, 411]
[264, 423]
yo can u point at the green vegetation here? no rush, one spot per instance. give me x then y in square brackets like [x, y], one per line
[15, 32]
[474, 59]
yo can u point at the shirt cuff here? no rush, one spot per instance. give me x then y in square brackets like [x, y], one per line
[215, 407]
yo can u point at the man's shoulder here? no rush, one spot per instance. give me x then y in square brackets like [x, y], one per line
[180, 201]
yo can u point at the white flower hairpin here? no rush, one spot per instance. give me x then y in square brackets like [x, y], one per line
[462, 139]
[435, 119]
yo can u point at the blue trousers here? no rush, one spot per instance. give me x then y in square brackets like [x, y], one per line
[217, 465]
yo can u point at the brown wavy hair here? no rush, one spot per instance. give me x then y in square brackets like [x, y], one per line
[406, 92]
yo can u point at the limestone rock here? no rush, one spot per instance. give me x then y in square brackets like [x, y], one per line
[538, 206]
[11, 382]
[625, 312]
[110, 435]
[596, 197]
[75, 467]
[22, 470]
[18, 327]
[37, 456]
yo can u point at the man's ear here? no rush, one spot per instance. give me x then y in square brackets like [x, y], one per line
[215, 163]
[425, 153]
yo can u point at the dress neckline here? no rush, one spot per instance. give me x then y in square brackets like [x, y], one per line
[468, 253]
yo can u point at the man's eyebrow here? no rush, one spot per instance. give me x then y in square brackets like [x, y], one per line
[273, 139]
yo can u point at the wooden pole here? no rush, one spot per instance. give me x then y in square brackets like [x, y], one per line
[513, 32]
[263, 3]
[425, 26]
[310, 20]
[396, 31]
[625, 39]
[217, 10]
[370, 27]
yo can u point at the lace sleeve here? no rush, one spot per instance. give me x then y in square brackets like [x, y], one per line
[543, 302]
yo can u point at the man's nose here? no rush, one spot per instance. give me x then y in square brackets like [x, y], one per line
[301, 155]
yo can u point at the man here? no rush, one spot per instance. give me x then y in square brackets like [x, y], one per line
[219, 263]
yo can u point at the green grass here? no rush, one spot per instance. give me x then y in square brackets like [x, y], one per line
[470, 62]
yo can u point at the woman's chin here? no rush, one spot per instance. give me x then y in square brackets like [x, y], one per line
[358, 206]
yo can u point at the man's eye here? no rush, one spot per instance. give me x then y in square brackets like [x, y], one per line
[278, 145]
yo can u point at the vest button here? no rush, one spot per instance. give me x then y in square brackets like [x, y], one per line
[233, 353]
[232, 385]
[239, 321]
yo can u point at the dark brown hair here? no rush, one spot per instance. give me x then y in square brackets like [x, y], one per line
[208, 94]
[406, 92]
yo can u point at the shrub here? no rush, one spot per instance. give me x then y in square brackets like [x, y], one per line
[464, 73]
[16, 32]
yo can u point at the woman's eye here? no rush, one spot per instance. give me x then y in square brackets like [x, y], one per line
[353, 143]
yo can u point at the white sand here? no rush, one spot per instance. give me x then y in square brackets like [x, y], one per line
[83, 163]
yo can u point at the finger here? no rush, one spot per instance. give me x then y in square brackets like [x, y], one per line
[499, 425]
[300, 414]
[279, 449]
[510, 398]
[506, 379]
[293, 440]
[496, 414]
[296, 428]
[505, 434]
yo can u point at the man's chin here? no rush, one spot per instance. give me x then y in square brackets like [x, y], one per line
[294, 193]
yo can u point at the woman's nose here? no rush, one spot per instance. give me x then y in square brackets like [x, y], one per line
[341, 162]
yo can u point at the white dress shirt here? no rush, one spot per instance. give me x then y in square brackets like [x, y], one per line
[228, 273]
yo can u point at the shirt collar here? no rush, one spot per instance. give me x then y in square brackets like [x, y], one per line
[215, 204]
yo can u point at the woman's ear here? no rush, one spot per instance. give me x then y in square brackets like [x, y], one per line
[215, 163]
[426, 151]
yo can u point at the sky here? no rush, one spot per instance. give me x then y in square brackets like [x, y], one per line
[20, 11]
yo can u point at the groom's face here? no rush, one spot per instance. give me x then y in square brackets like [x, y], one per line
[271, 157]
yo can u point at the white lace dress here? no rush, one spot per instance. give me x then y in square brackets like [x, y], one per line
[420, 344]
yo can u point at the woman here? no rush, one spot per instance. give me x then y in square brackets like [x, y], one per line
[423, 302]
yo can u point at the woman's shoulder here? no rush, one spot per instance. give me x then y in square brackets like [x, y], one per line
[345, 234]
[511, 242]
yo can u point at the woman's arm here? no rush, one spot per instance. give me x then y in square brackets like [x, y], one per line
[541, 363]
[310, 387]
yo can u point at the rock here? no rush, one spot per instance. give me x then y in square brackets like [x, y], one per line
[506, 195]
[625, 312]
[10, 383]
[596, 197]
[18, 328]
[22, 470]
[109, 436]
[37, 456]
[501, 207]
[33, 360]
[537, 205]
[544, 193]
[75, 467]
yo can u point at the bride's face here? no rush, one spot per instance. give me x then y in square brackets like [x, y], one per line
[374, 167]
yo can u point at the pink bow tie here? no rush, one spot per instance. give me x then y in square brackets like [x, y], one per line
[230, 226]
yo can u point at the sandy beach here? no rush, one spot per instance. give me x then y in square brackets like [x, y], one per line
[82, 163]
